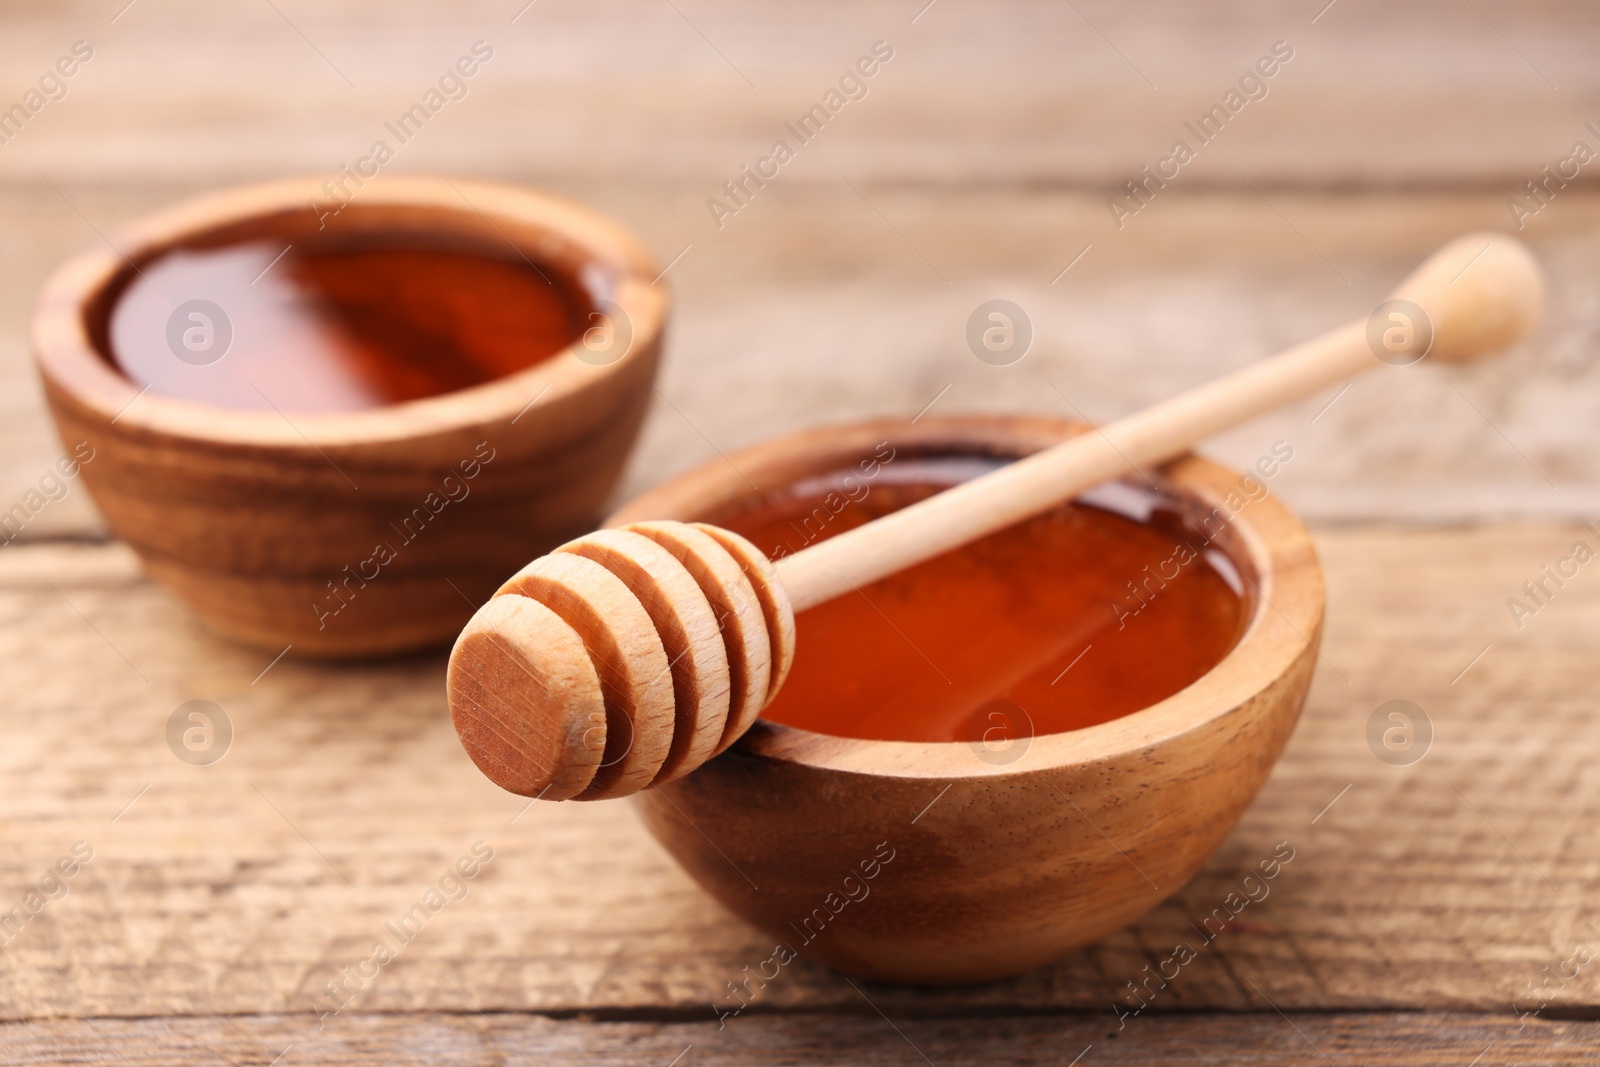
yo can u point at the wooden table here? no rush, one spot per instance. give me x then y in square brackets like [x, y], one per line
[1430, 908]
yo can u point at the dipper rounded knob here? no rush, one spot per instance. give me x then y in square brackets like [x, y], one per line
[624, 658]
[1482, 292]
[629, 657]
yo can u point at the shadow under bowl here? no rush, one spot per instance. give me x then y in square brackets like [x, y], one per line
[365, 532]
[919, 862]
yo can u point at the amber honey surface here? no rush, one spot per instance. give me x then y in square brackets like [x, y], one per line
[1076, 617]
[252, 327]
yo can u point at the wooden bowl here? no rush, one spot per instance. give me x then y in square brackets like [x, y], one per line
[255, 519]
[920, 862]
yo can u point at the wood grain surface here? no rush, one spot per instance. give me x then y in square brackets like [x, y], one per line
[464, 1038]
[1428, 93]
[978, 165]
[1426, 905]
[244, 886]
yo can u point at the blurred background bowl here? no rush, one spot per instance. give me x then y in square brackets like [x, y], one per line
[294, 529]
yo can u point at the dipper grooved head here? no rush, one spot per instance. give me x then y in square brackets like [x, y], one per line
[622, 659]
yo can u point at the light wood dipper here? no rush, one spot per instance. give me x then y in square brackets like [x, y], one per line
[629, 657]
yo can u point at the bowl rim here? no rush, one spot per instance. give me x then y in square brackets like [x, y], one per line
[486, 212]
[1287, 618]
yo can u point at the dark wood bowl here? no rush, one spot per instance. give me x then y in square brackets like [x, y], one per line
[253, 519]
[1016, 864]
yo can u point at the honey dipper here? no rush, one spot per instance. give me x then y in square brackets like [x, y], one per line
[631, 656]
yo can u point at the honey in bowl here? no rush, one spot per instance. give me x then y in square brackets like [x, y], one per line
[1083, 614]
[251, 326]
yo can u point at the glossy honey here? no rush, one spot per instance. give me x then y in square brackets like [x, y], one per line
[264, 325]
[1088, 612]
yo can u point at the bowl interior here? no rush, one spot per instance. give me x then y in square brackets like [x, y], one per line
[387, 303]
[1259, 540]
[1095, 609]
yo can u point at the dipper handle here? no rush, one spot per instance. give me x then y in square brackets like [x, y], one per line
[628, 657]
[1474, 297]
